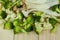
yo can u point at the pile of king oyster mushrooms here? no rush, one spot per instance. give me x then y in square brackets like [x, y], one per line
[29, 15]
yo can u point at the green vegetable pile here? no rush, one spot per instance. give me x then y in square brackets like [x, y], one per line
[12, 14]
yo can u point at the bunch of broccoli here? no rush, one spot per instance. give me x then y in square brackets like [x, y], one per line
[14, 18]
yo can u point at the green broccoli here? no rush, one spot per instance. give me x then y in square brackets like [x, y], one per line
[38, 28]
[28, 23]
[20, 16]
[8, 25]
[18, 26]
[3, 14]
[53, 22]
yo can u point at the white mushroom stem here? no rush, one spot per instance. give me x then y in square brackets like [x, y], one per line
[27, 12]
